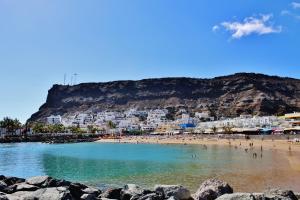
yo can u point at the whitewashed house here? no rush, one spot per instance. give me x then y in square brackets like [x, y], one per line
[157, 117]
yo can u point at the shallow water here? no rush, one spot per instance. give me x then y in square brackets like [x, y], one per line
[105, 164]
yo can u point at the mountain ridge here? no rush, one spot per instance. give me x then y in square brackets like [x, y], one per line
[231, 95]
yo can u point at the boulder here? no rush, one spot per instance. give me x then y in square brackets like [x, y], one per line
[172, 198]
[10, 189]
[106, 199]
[59, 193]
[3, 185]
[76, 190]
[92, 191]
[25, 187]
[284, 193]
[88, 197]
[237, 196]
[254, 196]
[177, 191]
[112, 193]
[212, 189]
[56, 183]
[38, 180]
[3, 197]
[131, 190]
[12, 180]
[151, 196]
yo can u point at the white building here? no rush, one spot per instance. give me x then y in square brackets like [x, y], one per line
[242, 122]
[147, 128]
[185, 119]
[156, 117]
[2, 132]
[202, 115]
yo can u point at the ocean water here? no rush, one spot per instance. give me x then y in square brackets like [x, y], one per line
[107, 164]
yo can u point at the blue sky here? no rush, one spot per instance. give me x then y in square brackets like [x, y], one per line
[103, 40]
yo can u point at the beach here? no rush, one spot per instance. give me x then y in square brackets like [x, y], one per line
[250, 144]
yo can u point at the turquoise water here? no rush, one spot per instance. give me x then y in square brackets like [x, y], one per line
[105, 164]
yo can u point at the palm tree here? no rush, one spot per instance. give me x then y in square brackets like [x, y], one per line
[111, 125]
[214, 129]
[227, 129]
[10, 124]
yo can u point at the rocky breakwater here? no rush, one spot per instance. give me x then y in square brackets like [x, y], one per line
[47, 188]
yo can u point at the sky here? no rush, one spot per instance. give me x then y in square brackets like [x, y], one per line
[104, 40]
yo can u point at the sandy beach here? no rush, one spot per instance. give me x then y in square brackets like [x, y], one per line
[254, 144]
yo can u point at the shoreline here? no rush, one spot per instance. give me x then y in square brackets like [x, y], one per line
[257, 144]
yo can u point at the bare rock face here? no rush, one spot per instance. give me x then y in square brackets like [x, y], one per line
[242, 93]
[212, 189]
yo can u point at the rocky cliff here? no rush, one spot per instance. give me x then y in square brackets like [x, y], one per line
[241, 93]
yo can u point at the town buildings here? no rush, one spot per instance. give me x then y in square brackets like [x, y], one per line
[157, 122]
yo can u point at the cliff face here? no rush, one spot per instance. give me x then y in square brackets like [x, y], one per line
[242, 93]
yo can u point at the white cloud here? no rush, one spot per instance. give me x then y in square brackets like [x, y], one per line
[215, 28]
[251, 25]
[295, 5]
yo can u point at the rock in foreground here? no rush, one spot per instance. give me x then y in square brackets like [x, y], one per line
[212, 189]
[48, 188]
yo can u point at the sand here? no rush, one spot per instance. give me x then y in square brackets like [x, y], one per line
[266, 144]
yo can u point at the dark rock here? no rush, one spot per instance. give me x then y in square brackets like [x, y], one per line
[76, 190]
[38, 180]
[57, 183]
[25, 187]
[59, 193]
[106, 198]
[112, 193]
[3, 197]
[176, 191]
[3, 185]
[13, 180]
[237, 196]
[92, 191]
[284, 193]
[212, 189]
[88, 197]
[10, 189]
[131, 190]
[152, 196]
[254, 196]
